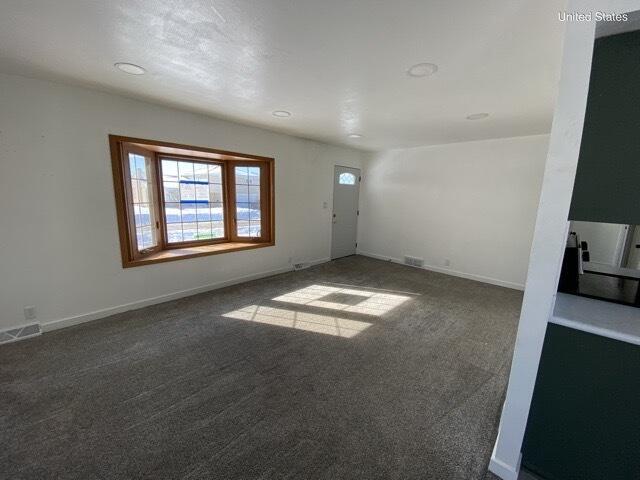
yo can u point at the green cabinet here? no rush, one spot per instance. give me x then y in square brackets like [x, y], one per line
[584, 421]
[607, 185]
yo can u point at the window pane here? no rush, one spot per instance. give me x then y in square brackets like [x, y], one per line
[145, 218]
[147, 236]
[215, 193]
[347, 178]
[141, 167]
[242, 176]
[139, 238]
[202, 192]
[174, 232]
[204, 231]
[143, 191]
[254, 212]
[215, 174]
[217, 212]
[193, 201]
[248, 214]
[203, 212]
[242, 211]
[186, 171]
[142, 200]
[137, 215]
[135, 190]
[218, 229]
[187, 191]
[242, 193]
[243, 228]
[201, 172]
[254, 175]
[190, 231]
[254, 194]
[169, 170]
[254, 230]
[171, 192]
[132, 165]
[188, 212]
[172, 213]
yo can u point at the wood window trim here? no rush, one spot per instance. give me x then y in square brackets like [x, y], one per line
[131, 243]
[166, 252]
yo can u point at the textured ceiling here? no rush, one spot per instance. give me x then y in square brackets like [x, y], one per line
[338, 65]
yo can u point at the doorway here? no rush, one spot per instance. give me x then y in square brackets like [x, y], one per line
[346, 191]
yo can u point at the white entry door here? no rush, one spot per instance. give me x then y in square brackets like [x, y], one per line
[346, 188]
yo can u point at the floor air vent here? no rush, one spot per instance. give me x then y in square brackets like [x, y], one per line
[413, 261]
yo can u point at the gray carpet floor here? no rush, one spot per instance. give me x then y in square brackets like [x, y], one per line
[354, 369]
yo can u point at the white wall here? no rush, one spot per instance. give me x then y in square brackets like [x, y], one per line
[472, 203]
[59, 247]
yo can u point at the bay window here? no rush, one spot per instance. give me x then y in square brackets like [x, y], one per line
[177, 201]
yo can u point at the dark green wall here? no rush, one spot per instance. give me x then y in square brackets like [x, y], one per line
[584, 421]
[607, 186]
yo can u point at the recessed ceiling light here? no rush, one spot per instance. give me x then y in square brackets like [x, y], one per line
[477, 116]
[130, 68]
[422, 70]
[281, 113]
[355, 135]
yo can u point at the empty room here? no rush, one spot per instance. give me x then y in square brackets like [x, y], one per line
[355, 239]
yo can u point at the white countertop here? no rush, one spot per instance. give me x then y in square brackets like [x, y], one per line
[612, 320]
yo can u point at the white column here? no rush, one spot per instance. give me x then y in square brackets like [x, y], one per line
[548, 241]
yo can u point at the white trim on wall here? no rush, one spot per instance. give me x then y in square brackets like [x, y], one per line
[50, 325]
[88, 317]
[446, 271]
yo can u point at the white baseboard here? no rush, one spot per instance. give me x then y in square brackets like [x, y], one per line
[447, 271]
[313, 263]
[503, 470]
[106, 312]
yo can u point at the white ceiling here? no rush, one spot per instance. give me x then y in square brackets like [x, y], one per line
[338, 65]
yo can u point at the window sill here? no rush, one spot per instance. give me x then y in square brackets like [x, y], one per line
[192, 252]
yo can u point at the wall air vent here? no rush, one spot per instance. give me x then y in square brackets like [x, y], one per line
[413, 261]
[20, 333]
